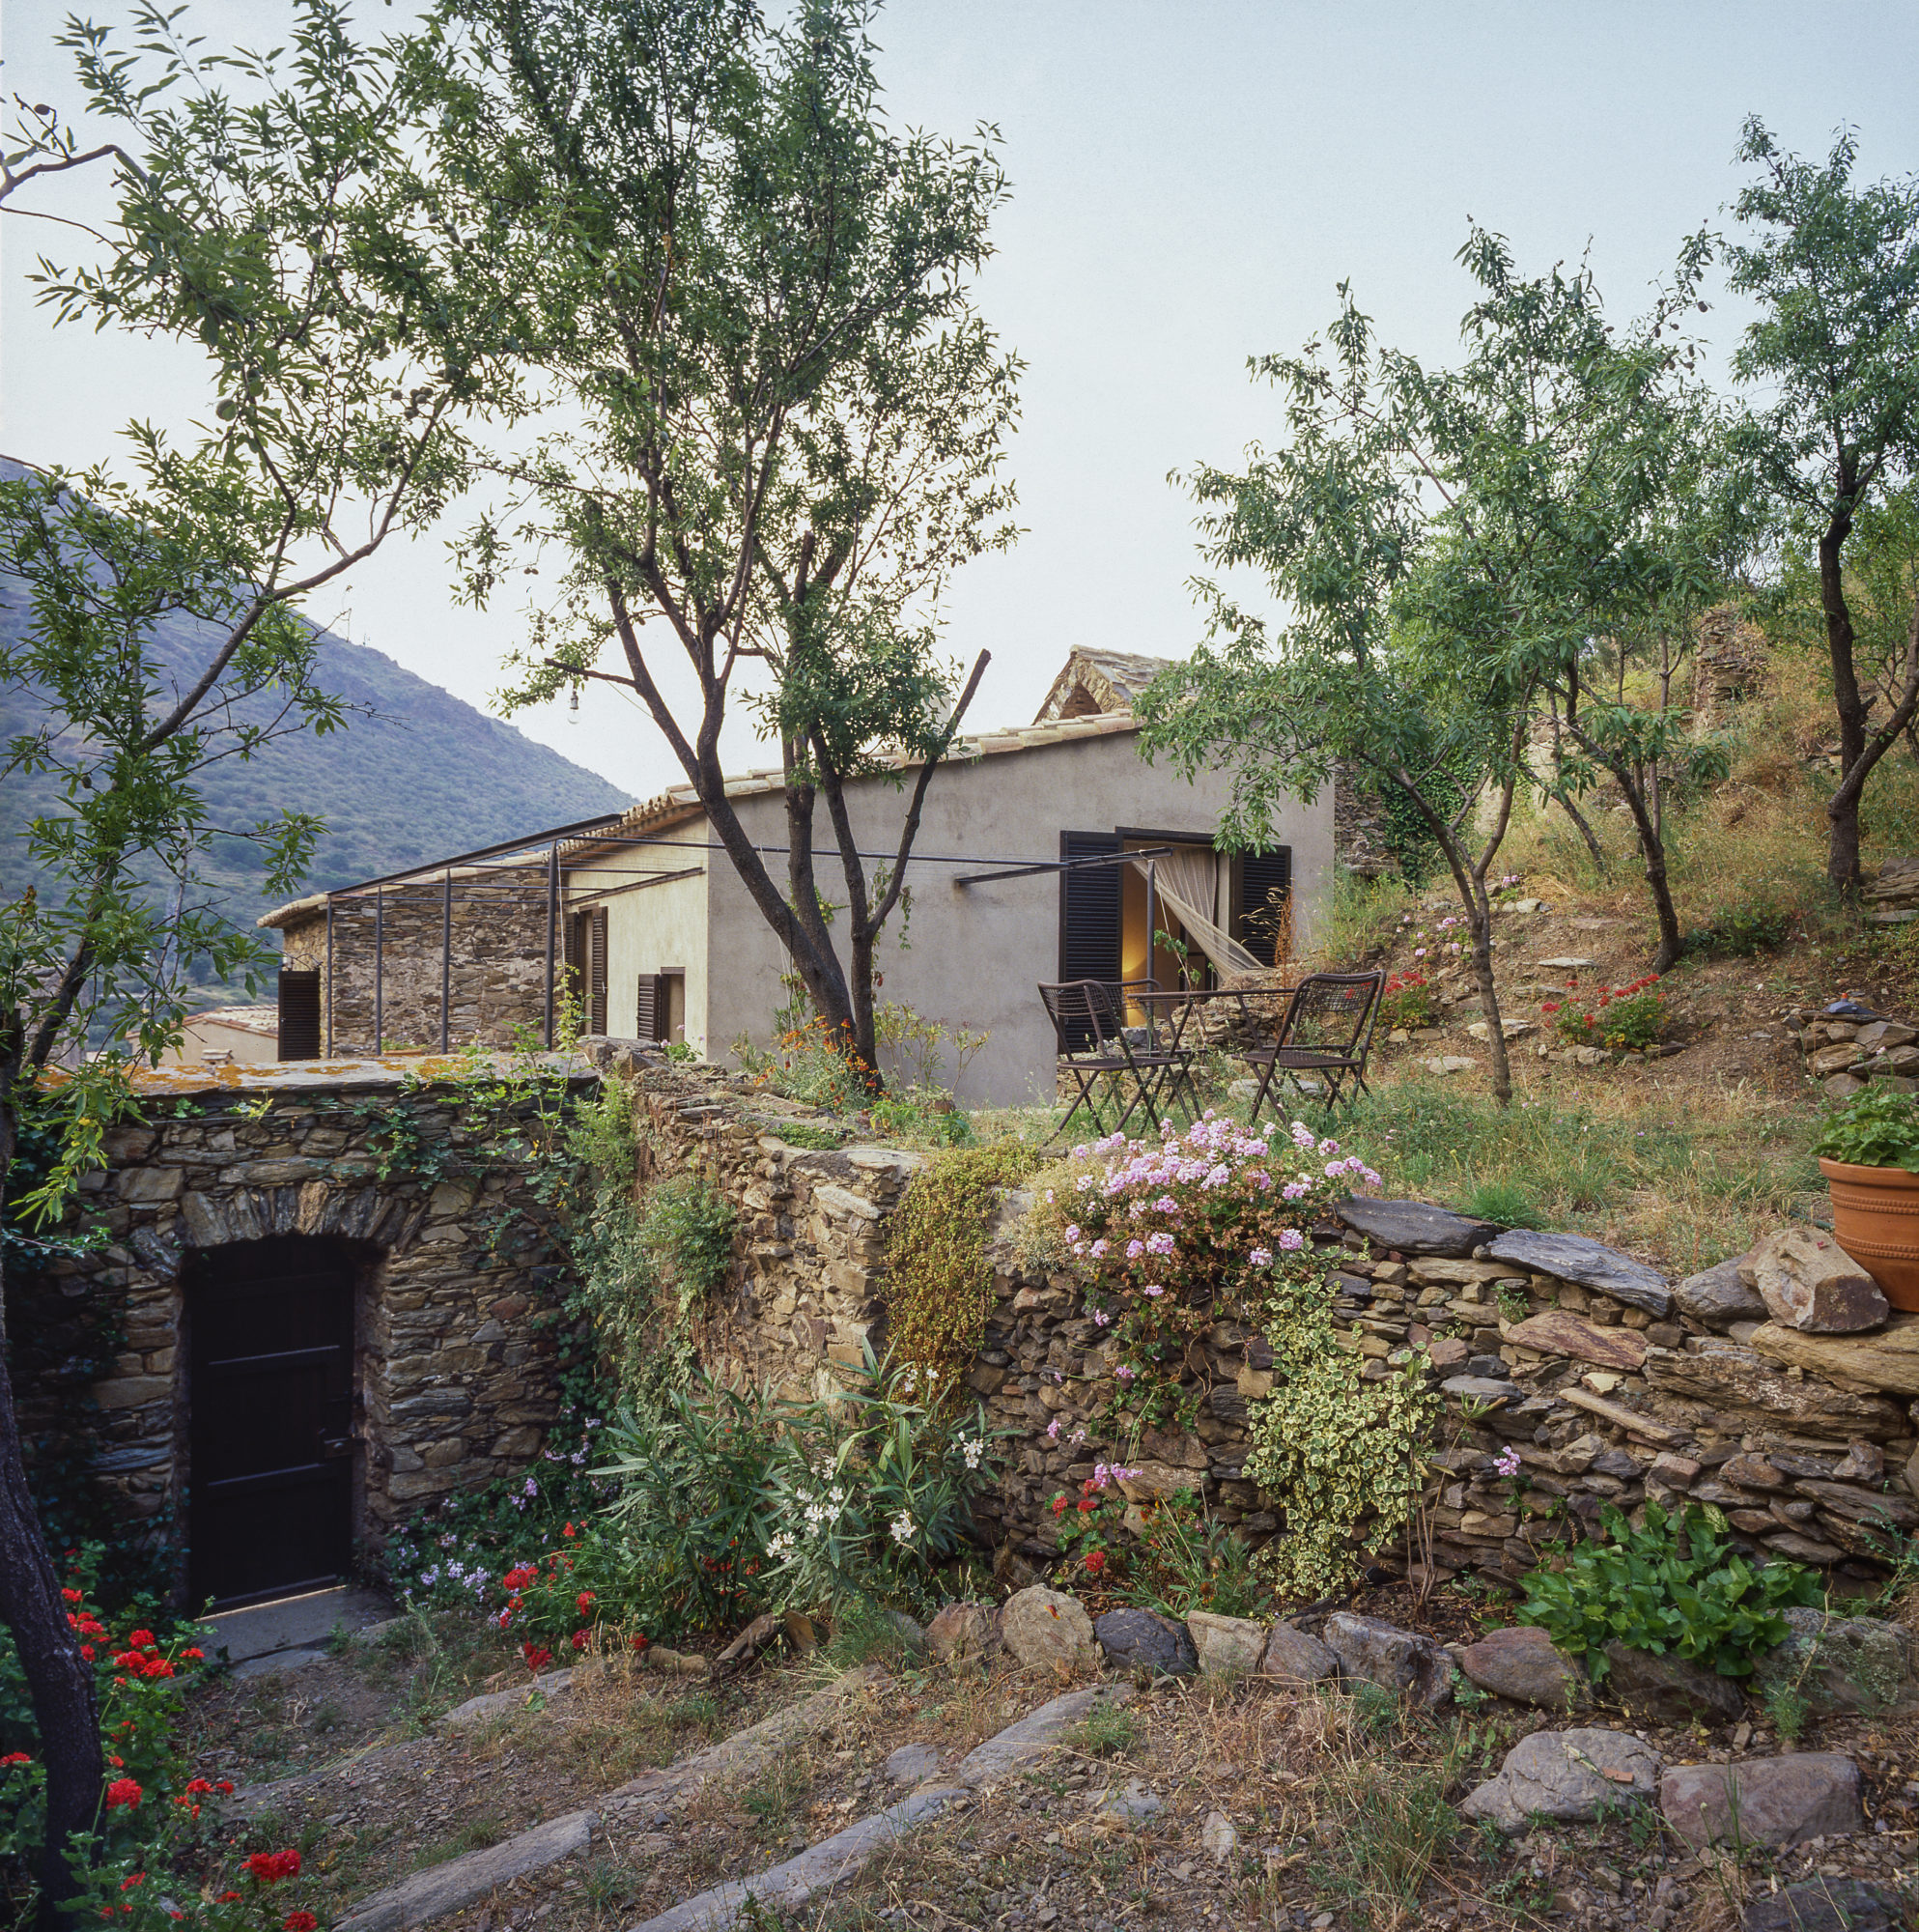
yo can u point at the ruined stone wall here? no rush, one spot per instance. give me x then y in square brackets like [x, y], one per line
[497, 982]
[1613, 1384]
[455, 1381]
[1359, 825]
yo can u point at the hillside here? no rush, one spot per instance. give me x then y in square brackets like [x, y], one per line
[416, 774]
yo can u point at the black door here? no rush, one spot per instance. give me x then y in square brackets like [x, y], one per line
[271, 1398]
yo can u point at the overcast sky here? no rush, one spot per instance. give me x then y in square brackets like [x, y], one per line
[1191, 180]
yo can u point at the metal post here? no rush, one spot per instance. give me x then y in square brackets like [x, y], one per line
[447, 961]
[1150, 891]
[330, 975]
[552, 931]
[379, 973]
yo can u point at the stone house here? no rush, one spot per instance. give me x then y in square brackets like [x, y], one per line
[1020, 874]
[330, 1297]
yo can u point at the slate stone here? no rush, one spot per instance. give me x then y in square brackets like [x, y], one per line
[912, 1764]
[1565, 1774]
[1810, 1282]
[1294, 1658]
[1669, 1689]
[1416, 1227]
[1589, 1262]
[1719, 1297]
[1139, 1640]
[1132, 1805]
[1828, 1905]
[1841, 1666]
[1042, 1628]
[1399, 1660]
[1521, 1662]
[960, 1629]
[1763, 1801]
[1557, 1331]
[1481, 1388]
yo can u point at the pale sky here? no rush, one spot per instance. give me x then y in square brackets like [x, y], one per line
[1191, 178]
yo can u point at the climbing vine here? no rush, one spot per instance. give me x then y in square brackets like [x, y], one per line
[940, 1289]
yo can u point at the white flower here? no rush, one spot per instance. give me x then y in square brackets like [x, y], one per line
[779, 1547]
[903, 1527]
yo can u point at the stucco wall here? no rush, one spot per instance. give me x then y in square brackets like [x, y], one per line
[655, 927]
[974, 954]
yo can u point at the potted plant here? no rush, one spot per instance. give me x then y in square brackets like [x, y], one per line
[1869, 1152]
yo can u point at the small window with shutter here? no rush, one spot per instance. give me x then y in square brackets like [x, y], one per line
[1089, 907]
[300, 1015]
[596, 972]
[1262, 903]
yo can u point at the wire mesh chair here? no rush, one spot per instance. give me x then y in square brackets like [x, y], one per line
[1327, 1031]
[1095, 1045]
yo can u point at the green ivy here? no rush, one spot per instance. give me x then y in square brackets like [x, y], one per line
[1675, 1587]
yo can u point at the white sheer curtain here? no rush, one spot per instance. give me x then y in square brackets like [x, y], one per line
[1187, 879]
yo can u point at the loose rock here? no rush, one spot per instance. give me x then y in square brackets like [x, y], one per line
[1225, 1645]
[1565, 1774]
[1294, 1658]
[910, 1763]
[1841, 1666]
[1888, 1359]
[1521, 1662]
[1669, 1689]
[1591, 1264]
[1810, 1282]
[1828, 1905]
[1042, 1628]
[1416, 1228]
[1396, 1660]
[1139, 1640]
[1133, 1805]
[1218, 1837]
[1719, 1297]
[1763, 1801]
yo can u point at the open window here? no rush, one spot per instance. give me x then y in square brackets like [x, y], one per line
[661, 1004]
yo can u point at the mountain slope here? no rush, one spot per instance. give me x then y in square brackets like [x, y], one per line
[416, 775]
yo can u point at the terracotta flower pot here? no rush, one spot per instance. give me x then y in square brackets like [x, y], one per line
[1875, 1220]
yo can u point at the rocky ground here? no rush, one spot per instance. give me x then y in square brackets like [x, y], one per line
[1404, 1761]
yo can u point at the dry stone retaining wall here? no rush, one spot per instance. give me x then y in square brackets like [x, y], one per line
[1614, 1385]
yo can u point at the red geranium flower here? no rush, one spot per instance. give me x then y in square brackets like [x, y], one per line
[224, 1787]
[140, 1639]
[301, 1922]
[199, 1786]
[15, 1757]
[584, 1600]
[87, 1651]
[74, 1596]
[268, 1866]
[228, 1898]
[123, 1791]
[581, 1639]
[640, 1642]
[1058, 1505]
[1088, 1506]
[131, 1880]
[196, 1653]
[535, 1655]
[1095, 1562]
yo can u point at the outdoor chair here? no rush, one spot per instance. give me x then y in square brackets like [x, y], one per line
[1096, 1046]
[1327, 1031]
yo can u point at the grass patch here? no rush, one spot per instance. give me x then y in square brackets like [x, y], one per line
[1110, 1730]
[771, 1801]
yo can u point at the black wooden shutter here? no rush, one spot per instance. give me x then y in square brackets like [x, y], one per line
[300, 1015]
[1088, 908]
[646, 1021]
[1256, 877]
[596, 998]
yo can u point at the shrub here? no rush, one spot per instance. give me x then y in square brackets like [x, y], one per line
[940, 1289]
[1625, 1018]
[1186, 1561]
[1742, 931]
[809, 1064]
[1406, 1001]
[1674, 1587]
[1504, 1201]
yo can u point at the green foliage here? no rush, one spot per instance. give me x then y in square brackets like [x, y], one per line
[1752, 921]
[1406, 1001]
[1110, 1730]
[1877, 1127]
[1342, 1454]
[1675, 1587]
[1623, 1019]
[940, 1289]
[1185, 1561]
[1505, 1203]
[810, 1063]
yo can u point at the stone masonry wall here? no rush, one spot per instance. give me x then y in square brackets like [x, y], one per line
[499, 973]
[1613, 1384]
[455, 1376]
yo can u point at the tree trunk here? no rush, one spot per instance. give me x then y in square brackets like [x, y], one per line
[1841, 813]
[58, 1679]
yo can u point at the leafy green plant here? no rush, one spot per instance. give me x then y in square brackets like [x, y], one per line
[1875, 1128]
[1110, 1730]
[1406, 1001]
[1186, 1561]
[1741, 931]
[1675, 1587]
[1625, 1018]
[1504, 1201]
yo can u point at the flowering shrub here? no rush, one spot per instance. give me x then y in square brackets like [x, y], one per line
[812, 1065]
[1172, 1236]
[149, 1858]
[1185, 1561]
[1623, 1018]
[1406, 1000]
[1087, 1526]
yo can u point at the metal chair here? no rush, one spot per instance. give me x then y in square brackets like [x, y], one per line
[1327, 1030]
[1095, 1045]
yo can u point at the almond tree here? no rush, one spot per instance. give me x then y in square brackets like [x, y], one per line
[293, 240]
[778, 421]
[1835, 271]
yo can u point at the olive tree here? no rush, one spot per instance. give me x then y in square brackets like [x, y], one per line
[284, 230]
[778, 421]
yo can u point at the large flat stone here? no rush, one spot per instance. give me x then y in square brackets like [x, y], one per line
[1416, 1227]
[1565, 1774]
[1809, 1283]
[443, 1888]
[1589, 1262]
[1829, 1905]
[1225, 1645]
[1142, 1640]
[1719, 1297]
[1295, 1658]
[1763, 1801]
[1559, 1333]
[1887, 1360]
[1042, 1628]
[1521, 1662]
[1727, 1376]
